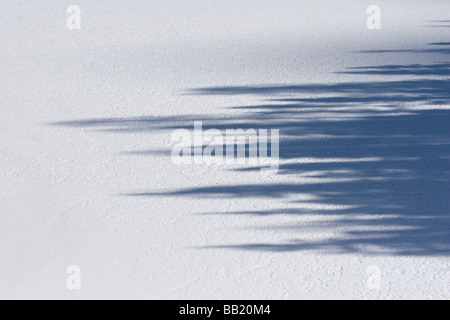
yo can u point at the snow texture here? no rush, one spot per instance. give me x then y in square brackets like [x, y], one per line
[87, 178]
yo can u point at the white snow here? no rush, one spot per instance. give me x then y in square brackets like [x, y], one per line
[87, 179]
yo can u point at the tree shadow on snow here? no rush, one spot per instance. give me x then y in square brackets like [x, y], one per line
[374, 157]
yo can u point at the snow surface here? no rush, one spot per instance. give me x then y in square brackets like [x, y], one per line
[87, 178]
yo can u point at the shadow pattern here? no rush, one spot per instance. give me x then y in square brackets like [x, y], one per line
[373, 156]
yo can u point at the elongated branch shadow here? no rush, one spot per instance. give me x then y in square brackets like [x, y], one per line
[373, 156]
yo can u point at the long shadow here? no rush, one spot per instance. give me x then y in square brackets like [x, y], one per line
[372, 156]
[442, 69]
[438, 24]
[435, 47]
